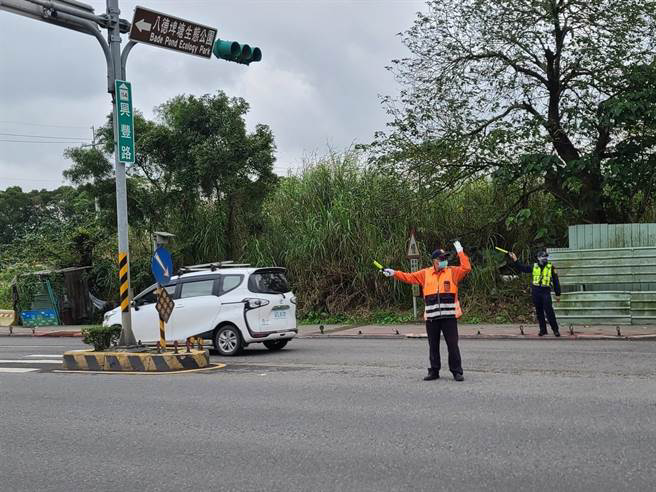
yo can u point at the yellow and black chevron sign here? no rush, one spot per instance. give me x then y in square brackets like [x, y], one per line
[125, 284]
[136, 362]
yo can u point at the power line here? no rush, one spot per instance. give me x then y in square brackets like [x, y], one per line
[38, 124]
[45, 141]
[33, 179]
[42, 136]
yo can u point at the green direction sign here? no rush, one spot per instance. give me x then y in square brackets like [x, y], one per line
[125, 125]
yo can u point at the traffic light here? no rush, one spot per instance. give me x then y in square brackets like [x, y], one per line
[236, 52]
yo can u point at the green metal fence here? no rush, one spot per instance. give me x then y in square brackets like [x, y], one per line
[601, 236]
[608, 274]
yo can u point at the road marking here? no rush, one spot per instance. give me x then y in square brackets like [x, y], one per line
[23, 361]
[16, 369]
[153, 373]
[8, 347]
[44, 356]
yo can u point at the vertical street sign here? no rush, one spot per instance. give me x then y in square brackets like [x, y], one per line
[125, 121]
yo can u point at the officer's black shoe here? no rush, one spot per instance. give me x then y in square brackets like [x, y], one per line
[432, 375]
[458, 377]
[556, 333]
[542, 333]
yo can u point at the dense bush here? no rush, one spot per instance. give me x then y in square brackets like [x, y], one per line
[101, 337]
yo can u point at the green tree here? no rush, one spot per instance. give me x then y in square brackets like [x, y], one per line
[199, 173]
[202, 160]
[526, 90]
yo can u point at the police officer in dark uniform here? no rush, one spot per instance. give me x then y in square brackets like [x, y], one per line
[543, 276]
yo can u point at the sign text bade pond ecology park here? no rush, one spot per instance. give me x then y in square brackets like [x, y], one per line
[166, 31]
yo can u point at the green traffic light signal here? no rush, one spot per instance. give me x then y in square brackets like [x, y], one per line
[236, 52]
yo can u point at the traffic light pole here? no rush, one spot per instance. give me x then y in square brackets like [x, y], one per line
[114, 39]
[78, 16]
[75, 15]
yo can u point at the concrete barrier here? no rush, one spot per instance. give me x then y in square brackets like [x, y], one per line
[7, 317]
[136, 361]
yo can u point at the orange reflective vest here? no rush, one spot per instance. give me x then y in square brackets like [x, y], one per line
[440, 288]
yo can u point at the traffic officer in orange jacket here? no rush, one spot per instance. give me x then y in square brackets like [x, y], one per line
[440, 286]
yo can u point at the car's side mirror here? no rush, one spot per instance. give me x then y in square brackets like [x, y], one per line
[135, 305]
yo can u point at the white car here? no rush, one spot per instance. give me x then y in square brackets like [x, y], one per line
[233, 307]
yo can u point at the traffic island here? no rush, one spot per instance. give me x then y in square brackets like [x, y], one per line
[116, 361]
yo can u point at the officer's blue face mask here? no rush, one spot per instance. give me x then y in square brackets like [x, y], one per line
[442, 264]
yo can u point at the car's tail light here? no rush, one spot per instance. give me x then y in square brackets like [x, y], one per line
[254, 302]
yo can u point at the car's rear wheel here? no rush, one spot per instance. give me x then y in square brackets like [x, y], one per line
[275, 344]
[227, 340]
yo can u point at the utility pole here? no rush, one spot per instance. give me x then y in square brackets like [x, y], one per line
[114, 40]
[96, 199]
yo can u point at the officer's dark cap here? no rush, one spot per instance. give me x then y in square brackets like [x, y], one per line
[440, 254]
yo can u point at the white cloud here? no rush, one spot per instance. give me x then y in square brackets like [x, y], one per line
[318, 83]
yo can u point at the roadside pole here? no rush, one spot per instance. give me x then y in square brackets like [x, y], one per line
[413, 255]
[114, 39]
[162, 267]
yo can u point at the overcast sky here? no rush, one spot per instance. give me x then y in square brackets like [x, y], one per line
[323, 68]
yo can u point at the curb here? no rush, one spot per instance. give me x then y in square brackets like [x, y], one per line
[371, 337]
[57, 334]
[135, 361]
[492, 337]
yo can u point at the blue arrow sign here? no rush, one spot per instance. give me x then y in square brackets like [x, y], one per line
[162, 265]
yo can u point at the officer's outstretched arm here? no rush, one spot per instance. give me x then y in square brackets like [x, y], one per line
[416, 278]
[519, 266]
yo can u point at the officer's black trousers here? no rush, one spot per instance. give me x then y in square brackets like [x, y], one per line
[542, 303]
[449, 327]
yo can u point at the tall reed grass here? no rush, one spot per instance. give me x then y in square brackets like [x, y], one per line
[329, 222]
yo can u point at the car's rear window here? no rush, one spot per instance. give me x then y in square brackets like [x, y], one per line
[274, 282]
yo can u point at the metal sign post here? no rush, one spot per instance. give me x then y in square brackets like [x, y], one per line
[413, 255]
[162, 268]
[117, 74]
[164, 307]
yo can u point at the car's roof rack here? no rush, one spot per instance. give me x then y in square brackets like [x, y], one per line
[211, 266]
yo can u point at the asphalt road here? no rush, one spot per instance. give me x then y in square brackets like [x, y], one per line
[337, 415]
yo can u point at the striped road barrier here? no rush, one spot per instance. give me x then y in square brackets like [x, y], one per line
[135, 361]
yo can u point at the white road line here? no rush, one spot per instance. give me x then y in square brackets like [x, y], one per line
[45, 356]
[29, 361]
[16, 369]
